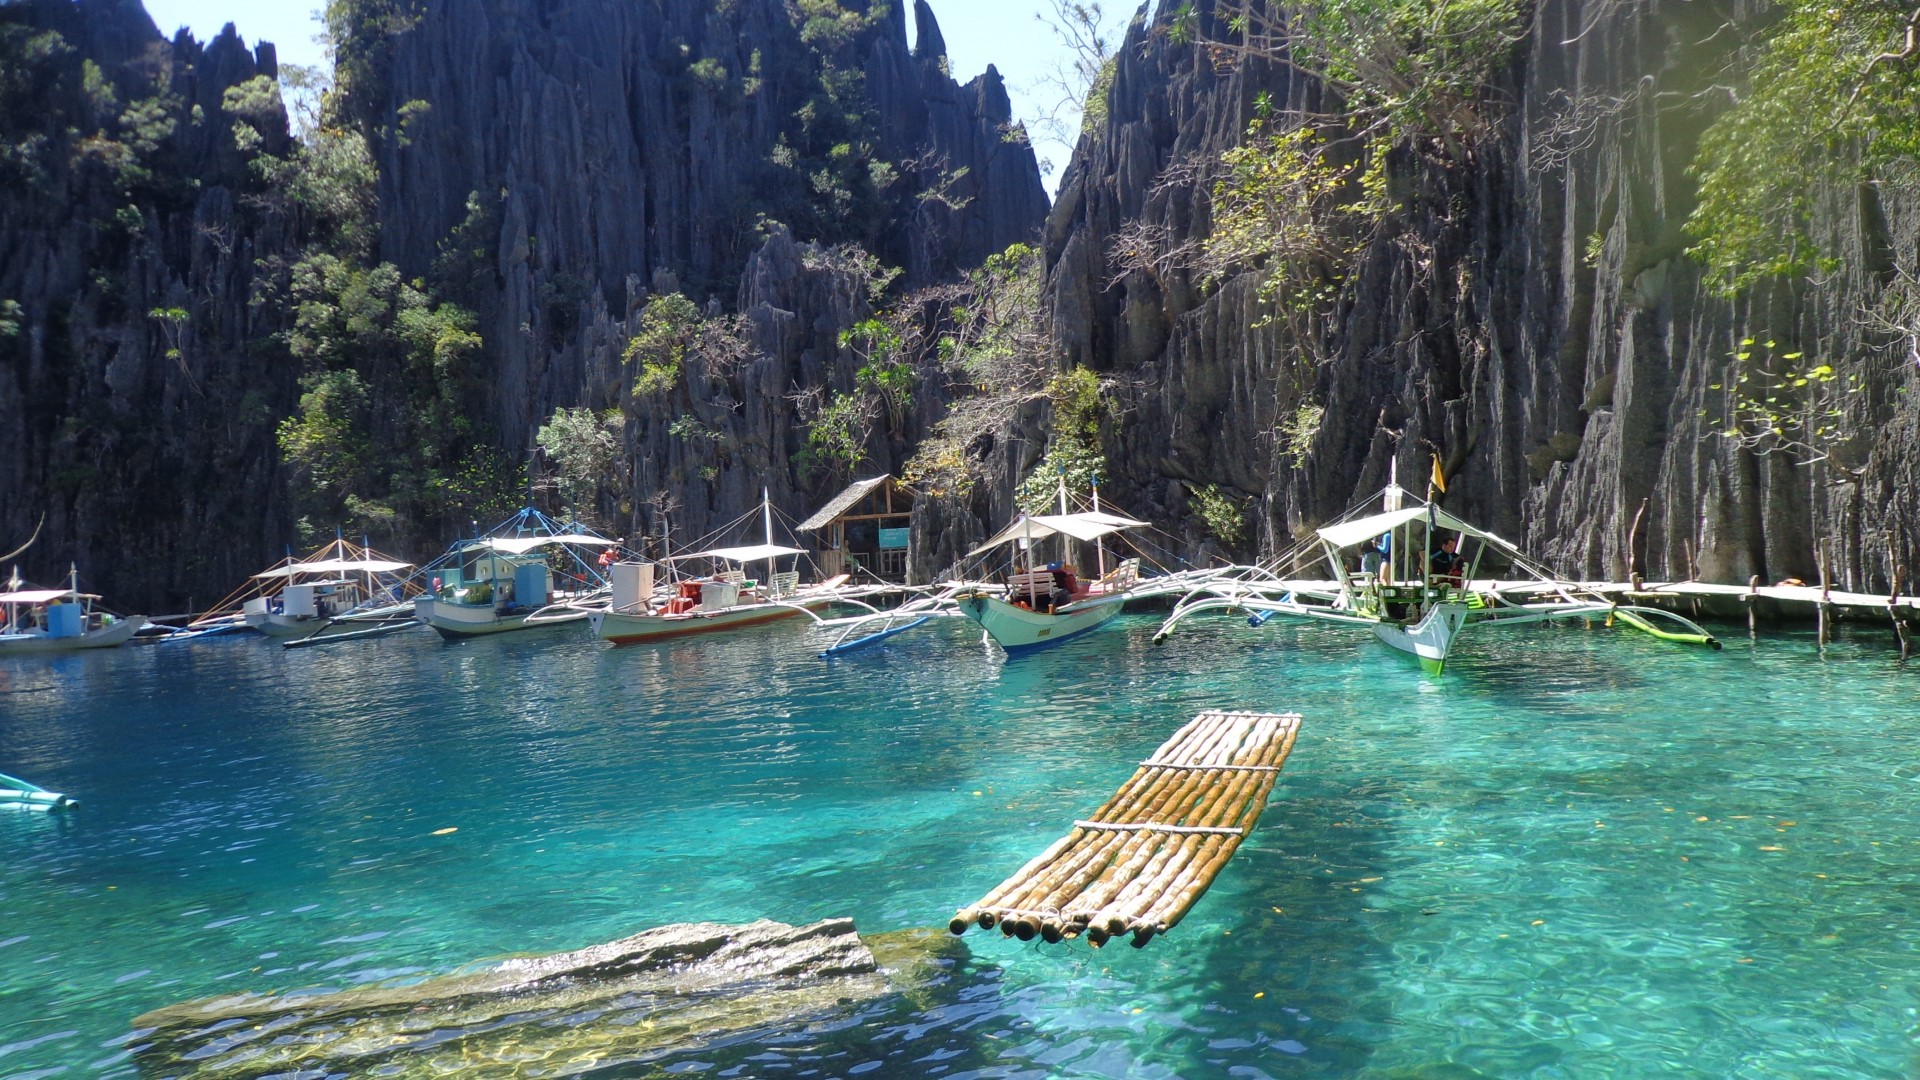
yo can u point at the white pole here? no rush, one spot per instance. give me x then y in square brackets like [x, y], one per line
[766, 515]
[1099, 544]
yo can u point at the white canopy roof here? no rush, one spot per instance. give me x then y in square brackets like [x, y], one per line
[335, 566]
[34, 596]
[1086, 526]
[1347, 534]
[749, 553]
[520, 545]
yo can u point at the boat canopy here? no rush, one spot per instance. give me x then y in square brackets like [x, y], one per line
[41, 596]
[334, 566]
[749, 553]
[520, 545]
[1091, 525]
[1347, 534]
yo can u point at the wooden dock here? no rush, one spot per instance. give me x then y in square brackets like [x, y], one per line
[1141, 861]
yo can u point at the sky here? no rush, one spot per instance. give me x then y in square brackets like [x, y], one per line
[1004, 33]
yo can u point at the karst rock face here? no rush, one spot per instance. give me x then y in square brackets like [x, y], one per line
[1536, 322]
[142, 446]
[626, 149]
[1531, 316]
[601, 153]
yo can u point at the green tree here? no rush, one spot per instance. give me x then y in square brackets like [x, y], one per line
[1832, 104]
[582, 446]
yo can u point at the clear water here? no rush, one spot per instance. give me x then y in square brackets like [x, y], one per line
[1579, 854]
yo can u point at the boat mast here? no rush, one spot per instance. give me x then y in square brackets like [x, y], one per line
[1099, 544]
[1064, 552]
[766, 518]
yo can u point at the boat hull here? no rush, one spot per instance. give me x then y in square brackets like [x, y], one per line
[630, 629]
[1018, 629]
[473, 620]
[1431, 639]
[105, 637]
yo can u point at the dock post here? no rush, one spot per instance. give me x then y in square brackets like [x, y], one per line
[1820, 607]
[1893, 599]
[1753, 591]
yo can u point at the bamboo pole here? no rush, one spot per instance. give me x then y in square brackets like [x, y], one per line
[1171, 910]
[1155, 846]
[1169, 861]
[1032, 887]
[1200, 860]
[1175, 861]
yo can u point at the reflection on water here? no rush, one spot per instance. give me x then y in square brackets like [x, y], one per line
[1580, 853]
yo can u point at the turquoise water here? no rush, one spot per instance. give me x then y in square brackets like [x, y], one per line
[1578, 854]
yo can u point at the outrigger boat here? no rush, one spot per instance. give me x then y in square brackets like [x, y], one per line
[59, 620]
[721, 601]
[342, 590]
[501, 582]
[18, 793]
[1407, 597]
[1046, 606]
[338, 591]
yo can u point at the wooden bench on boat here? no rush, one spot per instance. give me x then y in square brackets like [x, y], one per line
[1033, 588]
[1139, 863]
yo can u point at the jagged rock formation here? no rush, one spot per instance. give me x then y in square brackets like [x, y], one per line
[671, 988]
[1564, 388]
[147, 443]
[592, 155]
[619, 150]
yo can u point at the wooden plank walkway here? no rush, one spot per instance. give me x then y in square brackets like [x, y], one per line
[1139, 863]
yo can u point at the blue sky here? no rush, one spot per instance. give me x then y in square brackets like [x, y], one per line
[1004, 33]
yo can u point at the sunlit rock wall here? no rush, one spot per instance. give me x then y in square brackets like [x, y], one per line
[1563, 390]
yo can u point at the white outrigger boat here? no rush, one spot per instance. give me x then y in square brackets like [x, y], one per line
[342, 590]
[501, 582]
[59, 620]
[724, 600]
[1407, 598]
[1050, 604]
[18, 793]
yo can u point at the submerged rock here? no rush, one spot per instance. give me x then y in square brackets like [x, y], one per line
[629, 1001]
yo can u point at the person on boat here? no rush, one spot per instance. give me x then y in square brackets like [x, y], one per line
[1444, 563]
[1371, 557]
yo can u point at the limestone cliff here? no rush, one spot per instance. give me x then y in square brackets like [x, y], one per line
[138, 412]
[1535, 321]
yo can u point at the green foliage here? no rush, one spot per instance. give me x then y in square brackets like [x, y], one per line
[1073, 446]
[1834, 101]
[360, 34]
[328, 440]
[837, 436]
[1098, 93]
[12, 315]
[1283, 208]
[829, 26]
[1783, 402]
[667, 329]
[1223, 517]
[256, 101]
[331, 177]
[996, 344]
[672, 331]
[885, 371]
[582, 446]
[709, 73]
[392, 379]
[1299, 431]
[1405, 68]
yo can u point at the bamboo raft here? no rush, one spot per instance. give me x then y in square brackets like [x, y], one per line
[1143, 859]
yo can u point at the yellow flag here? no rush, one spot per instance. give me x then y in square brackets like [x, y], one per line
[1439, 476]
